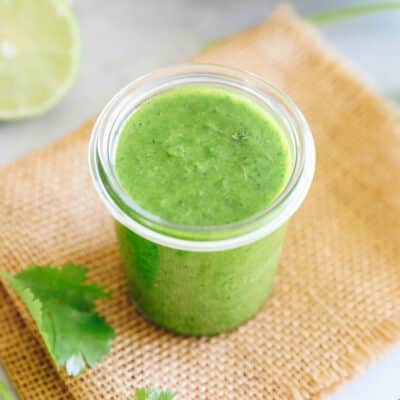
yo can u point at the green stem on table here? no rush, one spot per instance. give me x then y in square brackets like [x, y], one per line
[4, 392]
[349, 12]
[330, 17]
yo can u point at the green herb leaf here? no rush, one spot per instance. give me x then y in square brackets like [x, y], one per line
[153, 394]
[4, 392]
[62, 306]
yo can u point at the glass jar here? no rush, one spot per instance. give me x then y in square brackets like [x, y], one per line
[197, 280]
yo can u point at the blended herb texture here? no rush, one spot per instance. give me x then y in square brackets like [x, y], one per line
[201, 156]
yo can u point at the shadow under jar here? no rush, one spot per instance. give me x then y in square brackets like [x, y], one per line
[202, 167]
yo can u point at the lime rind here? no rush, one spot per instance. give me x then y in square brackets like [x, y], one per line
[58, 91]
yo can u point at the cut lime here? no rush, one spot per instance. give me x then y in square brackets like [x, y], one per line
[39, 55]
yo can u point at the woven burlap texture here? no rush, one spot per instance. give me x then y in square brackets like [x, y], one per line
[336, 302]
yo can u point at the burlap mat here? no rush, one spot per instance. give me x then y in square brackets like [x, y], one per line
[336, 303]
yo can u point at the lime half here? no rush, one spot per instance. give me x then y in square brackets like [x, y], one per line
[39, 55]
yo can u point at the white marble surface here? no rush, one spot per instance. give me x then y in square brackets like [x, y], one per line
[124, 38]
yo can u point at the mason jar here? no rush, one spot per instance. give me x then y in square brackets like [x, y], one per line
[200, 280]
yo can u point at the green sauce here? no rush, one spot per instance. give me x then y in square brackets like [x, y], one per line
[201, 156]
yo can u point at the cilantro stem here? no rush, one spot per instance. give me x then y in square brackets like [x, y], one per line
[329, 17]
[4, 392]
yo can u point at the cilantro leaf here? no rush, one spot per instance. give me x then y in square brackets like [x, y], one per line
[62, 305]
[153, 394]
[5, 394]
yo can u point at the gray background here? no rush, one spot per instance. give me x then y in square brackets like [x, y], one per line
[125, 38]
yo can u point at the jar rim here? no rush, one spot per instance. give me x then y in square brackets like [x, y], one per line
[188, 237]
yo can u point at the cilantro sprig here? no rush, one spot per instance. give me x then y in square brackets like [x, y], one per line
[140, 394]
[62, 305]
[5, 394]
[153, 394]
